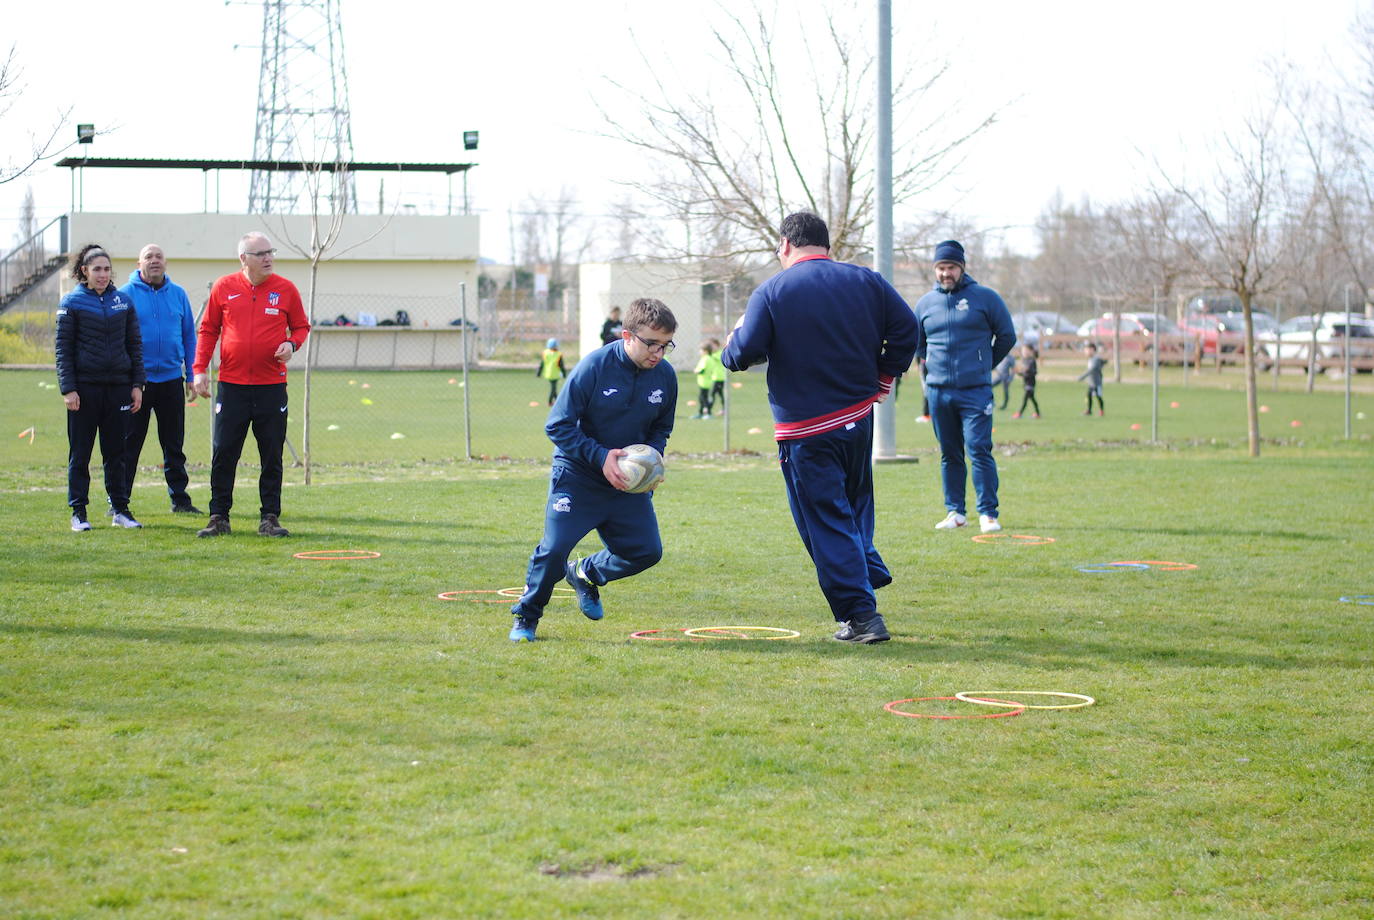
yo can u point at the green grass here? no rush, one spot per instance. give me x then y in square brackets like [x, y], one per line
[216, 729]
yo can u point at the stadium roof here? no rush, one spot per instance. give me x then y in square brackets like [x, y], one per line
[264, 165]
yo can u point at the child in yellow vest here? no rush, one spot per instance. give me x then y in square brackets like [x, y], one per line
[551, 368]
[716, 369]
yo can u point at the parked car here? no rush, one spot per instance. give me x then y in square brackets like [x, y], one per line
[1138, 335]
[1032, 324]
[1226, 328]
[1295, 338]
[1214, 302]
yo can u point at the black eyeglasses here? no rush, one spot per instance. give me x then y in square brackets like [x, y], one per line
[260, 253]
[656, 348]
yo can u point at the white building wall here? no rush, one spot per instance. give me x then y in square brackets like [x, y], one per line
[410, 262]
[603, 285]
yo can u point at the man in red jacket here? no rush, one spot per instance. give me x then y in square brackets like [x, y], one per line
[259, 322]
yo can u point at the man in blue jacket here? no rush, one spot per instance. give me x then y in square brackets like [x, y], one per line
[623, 393]
[836, 337]
[169, 348]
[965, 331]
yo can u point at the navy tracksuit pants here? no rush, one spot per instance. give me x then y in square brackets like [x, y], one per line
[829, 481]
[167, 401]
[576, 506]
[962, 418]
[237, 407]
[104, 413]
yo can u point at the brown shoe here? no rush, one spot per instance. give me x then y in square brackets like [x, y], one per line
[218, 526]
[269, 527]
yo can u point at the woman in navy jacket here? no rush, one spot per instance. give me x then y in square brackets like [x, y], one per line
[100, 373]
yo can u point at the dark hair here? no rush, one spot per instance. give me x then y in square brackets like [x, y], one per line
[1092, 345]
[648, 312]
[84, 255]
[802, 228]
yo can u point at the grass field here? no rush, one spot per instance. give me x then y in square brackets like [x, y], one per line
[218, 729]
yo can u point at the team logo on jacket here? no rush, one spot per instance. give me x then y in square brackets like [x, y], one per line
[611, 392]
[562, 503]
[656, 396]
[962, 304]
[273, 297]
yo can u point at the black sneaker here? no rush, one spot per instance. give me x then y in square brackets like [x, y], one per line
[269, 526]
[218, 526]
[865, 633]
[187, 508]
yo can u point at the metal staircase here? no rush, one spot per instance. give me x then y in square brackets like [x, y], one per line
[18, 272]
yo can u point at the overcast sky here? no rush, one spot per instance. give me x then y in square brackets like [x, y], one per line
[1093, 90]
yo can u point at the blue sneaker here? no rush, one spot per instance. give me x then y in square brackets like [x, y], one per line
[523, 629]
[588, 596]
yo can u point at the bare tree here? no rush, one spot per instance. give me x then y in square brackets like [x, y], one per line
[326, 193]
[787, 140]
[1232, 231]
[555, 235]
[39, 146]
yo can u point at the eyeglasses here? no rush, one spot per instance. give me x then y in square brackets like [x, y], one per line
[656, 348]
[260, 253]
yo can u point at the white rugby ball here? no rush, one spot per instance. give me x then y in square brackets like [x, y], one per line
[642, 468]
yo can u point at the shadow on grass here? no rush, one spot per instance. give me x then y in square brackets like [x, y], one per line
[1037, 652]
[1210, 531]
[188, 635]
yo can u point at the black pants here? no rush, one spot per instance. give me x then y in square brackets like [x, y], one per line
[105, 413]
[718, 395]
[703, 401]
[1029, 398]
[165, 400]
[237, 406]
[1095, 391]
[553, 392]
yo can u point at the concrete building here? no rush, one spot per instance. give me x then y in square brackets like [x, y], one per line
[603, 285]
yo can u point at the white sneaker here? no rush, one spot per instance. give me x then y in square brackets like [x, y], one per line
[124, 519]
[952, 520]
[988, 524]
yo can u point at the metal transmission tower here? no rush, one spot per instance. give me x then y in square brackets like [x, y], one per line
[302, 109]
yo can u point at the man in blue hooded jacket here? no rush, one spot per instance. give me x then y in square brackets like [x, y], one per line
[965, 331]
[169, 348]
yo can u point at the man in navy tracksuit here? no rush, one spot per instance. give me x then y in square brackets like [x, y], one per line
[965, 331]
[168, 327]
[836, 337]
[623, 393]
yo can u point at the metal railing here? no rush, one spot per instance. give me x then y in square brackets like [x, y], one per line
[33, 261]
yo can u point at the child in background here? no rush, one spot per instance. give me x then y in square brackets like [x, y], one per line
[1028, 371]
[1002, 376]
[551, 368]
[1094, 377]
[703, 372]
[716, 368]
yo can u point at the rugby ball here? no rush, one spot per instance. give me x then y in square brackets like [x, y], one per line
[642, 468]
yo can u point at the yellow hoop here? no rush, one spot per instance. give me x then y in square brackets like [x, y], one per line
[696, 632]
[985, 698]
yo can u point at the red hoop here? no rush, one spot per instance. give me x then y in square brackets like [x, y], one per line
[892, 708]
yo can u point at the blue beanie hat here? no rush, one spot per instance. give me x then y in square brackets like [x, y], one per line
[949, 251]
[551, 343]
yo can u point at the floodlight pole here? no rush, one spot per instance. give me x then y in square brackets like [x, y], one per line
[725, 393]
[885, 413]
[1154, 385]
[463, 342]
[1346, 348]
